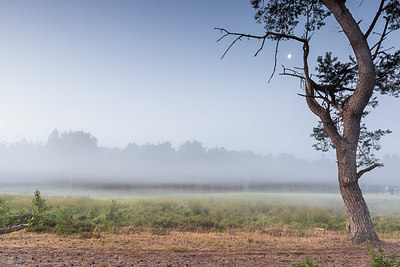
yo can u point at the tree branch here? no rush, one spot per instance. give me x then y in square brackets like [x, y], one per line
[315, 107]
[275, 60]
[345, 89]
[229, 47]
[329, 102]
[378, 13]
[378, 45]
[259, 37]
[293, 73]
[261, 47]
[370, 168]
[320, 97]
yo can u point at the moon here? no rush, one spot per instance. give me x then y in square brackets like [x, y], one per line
[289, 56]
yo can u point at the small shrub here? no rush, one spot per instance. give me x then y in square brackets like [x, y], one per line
[381, 260]
[39, 202]
[41, 220]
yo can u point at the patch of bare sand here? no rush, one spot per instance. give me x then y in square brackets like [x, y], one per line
[271, 248]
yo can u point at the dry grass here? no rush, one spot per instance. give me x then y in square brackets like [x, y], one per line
[288, 240]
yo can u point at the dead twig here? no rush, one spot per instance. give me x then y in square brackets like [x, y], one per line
[13, 229]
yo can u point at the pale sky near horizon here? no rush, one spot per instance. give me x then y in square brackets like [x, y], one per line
[150, 71]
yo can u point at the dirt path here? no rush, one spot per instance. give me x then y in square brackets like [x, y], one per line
[181, 249]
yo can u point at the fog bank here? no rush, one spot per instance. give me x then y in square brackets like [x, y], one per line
[76, 156]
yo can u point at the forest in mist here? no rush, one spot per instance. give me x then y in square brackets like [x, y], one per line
[76, 156]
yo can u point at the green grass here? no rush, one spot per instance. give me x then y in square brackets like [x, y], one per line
[178, 249]
[204, 213]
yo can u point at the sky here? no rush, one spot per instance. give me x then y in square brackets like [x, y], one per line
[150, 71]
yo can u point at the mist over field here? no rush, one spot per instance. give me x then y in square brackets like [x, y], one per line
[76, 157]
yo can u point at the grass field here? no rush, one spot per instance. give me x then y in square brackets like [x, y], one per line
[248, 212]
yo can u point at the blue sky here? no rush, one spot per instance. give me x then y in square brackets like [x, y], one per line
[150, 71]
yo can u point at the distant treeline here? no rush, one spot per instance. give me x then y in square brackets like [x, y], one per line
[76, 156]
[84, 188]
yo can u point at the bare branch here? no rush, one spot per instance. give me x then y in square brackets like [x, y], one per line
[266, 35]
[229, 47]
[275, 60]
[320, 97]
[222, 37]
[262, 46]
[384, 51]
[292, 74]
[384, 34]
[259, 37]
[377, 15]
[370, 168]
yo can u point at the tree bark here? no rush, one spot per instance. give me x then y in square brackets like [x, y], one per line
[361, 226]
[360, 223]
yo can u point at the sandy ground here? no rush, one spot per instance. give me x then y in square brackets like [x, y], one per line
[183, 249]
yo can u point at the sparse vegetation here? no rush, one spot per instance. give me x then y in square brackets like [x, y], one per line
[307, 263]
[379, 259]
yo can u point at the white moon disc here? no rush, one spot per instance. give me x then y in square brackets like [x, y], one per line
[289, 56]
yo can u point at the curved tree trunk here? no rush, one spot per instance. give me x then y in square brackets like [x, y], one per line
[361, 226]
